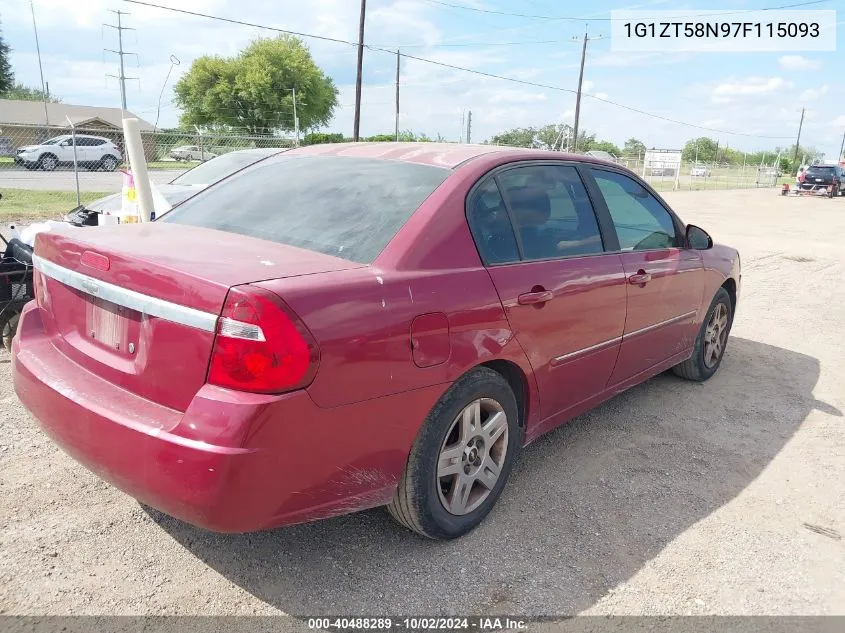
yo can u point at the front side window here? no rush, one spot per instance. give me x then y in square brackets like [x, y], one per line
[641, 222]
[551, 211]
[342, 206]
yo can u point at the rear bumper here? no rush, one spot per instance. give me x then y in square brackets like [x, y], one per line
[232, 462]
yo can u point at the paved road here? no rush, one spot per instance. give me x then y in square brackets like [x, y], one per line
[673, 498]
[64, 180]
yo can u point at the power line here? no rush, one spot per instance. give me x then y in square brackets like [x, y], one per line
[578, 19]
[491, 44]
[463, 69]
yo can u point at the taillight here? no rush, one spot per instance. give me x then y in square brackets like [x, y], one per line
[38, 287]
[261, 345]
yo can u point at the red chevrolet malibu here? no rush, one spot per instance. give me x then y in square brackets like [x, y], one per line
[346, 326]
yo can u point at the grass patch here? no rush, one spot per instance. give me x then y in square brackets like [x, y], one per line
[172, 164]
[22, 205]
[6, 162]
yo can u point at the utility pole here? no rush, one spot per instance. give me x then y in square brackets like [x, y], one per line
[357, 125]
[469, 127]
[40, 70]
[842, 148]
[798, 142]
[120, 53]
[578, 96]
[397, 94]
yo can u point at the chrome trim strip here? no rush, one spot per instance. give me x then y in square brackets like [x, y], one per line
[559, 360]
[654, 326]
[127, 298]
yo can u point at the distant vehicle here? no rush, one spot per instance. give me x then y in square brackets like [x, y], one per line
[6, 148]
[820, 176]
[191, 152]
[700, 171]
[180, 188]
[597, 153]
[93, 152]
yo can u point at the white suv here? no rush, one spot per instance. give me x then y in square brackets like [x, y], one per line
[94, 152]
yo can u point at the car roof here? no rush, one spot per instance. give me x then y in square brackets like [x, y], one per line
[448, 155]
[259, 151]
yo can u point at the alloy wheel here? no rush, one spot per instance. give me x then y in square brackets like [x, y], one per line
[716, 335]
[472, 456]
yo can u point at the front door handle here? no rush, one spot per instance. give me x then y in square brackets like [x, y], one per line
[535, 297]
[641, 278]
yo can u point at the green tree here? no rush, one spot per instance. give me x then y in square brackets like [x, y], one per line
[252, 91]
[606, 146]
[517, 137]
[701, 149]
[19, 92]
[318, 138]
[634, 147]
[7, 77]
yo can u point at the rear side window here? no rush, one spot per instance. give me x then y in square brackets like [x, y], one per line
[491, 227]
[341, 206]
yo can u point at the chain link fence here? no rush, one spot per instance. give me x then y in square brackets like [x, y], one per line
[45, 171]
[697, 176]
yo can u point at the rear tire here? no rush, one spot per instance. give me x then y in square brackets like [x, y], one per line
[711, 342]
[108, 163]
[472, 435]
[48, 162]
[9, 328]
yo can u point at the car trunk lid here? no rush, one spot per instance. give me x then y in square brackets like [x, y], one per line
[138, 304]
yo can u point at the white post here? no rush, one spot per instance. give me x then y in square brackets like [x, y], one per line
[75, 163]
[138, 165]
[295, 118]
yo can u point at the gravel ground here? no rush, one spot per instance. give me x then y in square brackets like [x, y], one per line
[673, 498]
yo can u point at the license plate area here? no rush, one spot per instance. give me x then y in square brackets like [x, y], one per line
[108, 324]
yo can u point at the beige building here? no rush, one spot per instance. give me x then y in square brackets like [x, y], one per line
[24, 123]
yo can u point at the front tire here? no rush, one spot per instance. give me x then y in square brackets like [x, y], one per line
[711, 341]
[461, 458]
[48, 162]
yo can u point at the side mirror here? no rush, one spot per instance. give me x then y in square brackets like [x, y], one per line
[698, 238]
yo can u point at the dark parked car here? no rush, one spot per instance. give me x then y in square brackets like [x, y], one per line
[346, 326]
[825, 176]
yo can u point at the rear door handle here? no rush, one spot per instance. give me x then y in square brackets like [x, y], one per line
[642, 277]
[530, 298]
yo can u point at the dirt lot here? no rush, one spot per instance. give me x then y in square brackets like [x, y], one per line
[673, 498]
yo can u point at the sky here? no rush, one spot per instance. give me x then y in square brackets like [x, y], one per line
[759, 95]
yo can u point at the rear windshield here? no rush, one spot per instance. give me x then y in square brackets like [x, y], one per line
[218, 168]
[345, 207]
[820, 169]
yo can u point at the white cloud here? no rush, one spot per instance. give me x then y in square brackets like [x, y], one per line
[602, 95]
[839, 121]
[516, 96]
[587, 86]
[752, 86]
[812, 94]
[797, 62]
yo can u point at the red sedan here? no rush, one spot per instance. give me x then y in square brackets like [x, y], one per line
[341, 327]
